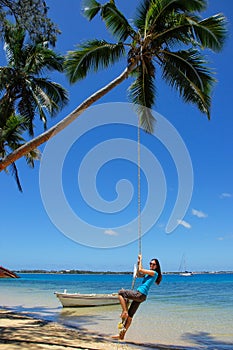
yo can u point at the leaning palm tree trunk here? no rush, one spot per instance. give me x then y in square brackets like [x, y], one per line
[42, 138]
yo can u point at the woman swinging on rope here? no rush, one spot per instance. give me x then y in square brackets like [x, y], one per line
[139, 295]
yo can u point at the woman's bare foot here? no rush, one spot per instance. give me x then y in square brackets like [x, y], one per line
[115, 336]
[119, 336]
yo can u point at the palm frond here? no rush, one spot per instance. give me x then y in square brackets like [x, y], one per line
[6, 109]
[116, 22]
[41, 96]
[32, 156]
[6, 74]
[42, 115]
[39, 58]
[11, 138]
[26, 107]
[50, 95]
[187, 72]
[92, 55]
[11, 133]
[142, 94]
[176, 30]
[211, 32]
[14, 173]
[90, 8]
[141, 12]
[13, 42]
[155, 12]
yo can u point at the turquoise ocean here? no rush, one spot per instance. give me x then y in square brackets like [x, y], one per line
[193, 312]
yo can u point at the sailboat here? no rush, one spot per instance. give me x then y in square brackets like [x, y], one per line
[182, 269]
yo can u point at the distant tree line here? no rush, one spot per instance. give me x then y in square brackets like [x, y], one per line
[73, 271]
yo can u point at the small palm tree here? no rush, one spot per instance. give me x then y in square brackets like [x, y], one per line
[166, 35]
[22, 85]
[11, 138]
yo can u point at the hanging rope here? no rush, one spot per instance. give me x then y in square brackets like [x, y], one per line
[139, 192]
[139, 202]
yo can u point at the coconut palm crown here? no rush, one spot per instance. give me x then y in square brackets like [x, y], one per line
[166, 36]
[23, 88]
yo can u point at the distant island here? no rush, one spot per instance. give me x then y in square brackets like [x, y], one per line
[76, 272]
[88, 272]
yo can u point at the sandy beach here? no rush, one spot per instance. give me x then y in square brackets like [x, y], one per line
[20, 331]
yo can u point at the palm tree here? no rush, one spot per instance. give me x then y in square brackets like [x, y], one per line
[11, 138]
[160, 28]
[23, 88]
[166, 35]
[25, 93]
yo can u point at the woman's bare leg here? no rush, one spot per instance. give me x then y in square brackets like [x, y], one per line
[123, 303]
[122, 333]
[127, 325]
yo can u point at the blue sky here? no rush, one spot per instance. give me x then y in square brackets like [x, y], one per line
[29, 239]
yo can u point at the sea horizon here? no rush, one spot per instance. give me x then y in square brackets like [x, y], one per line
[77, 271]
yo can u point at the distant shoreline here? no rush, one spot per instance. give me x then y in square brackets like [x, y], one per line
[83, 272]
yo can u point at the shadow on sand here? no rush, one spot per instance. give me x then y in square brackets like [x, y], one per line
[24, 331]
[201, 340]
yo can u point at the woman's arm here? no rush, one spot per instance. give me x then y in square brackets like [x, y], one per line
[143, 271]
[147, 272]
[139, 273]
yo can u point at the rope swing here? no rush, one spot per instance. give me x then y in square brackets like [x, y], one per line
[139, 201]
[139, 192]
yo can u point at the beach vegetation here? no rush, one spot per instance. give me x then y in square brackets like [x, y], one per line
[30, 15]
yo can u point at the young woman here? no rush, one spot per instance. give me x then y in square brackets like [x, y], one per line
[139, 295]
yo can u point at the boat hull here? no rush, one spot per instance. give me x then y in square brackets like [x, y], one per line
[186, 274]
[5, 273]
[86, 300]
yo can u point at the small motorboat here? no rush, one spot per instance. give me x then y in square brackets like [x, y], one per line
[86, 300]
[5, 273]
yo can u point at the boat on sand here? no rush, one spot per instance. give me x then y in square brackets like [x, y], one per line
[86, 300]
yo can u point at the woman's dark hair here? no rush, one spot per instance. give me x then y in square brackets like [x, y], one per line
[158, 270]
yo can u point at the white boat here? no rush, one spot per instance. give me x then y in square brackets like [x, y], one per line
[86, 300]
[182, 269]
[186, 273]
